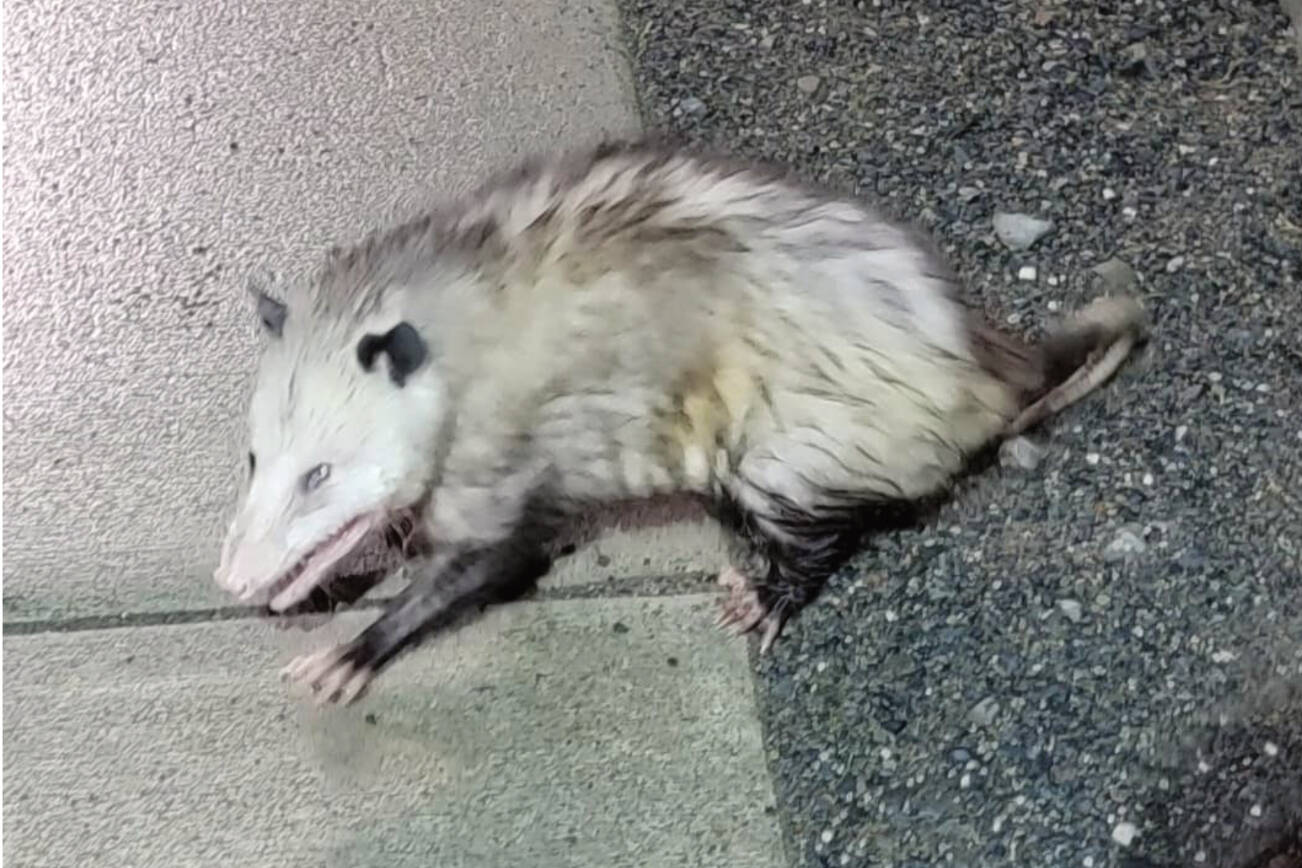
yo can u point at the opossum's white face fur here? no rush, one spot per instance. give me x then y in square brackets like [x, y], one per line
[343, 426]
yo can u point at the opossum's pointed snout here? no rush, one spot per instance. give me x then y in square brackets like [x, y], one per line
[247, 562]
[234, 570]
[222, 574]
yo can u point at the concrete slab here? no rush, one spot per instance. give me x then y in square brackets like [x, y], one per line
[154, 155]
[604, 733]
[657, 538]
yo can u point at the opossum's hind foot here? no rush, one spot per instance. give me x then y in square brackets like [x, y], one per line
[743, 611]
[740, 609]
[333, 674]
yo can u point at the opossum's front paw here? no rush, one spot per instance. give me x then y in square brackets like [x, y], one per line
[333, 674]
[743, 610]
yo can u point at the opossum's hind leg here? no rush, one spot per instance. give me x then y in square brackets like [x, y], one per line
[446, 587]
[781, 559]
[742, 610]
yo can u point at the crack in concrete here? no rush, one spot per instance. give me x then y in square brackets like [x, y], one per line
[631, 586]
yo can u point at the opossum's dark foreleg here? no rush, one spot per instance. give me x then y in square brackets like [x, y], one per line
[781, 558]
[445, 587]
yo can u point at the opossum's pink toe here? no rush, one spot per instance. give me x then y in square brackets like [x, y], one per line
[773, 624]
[741, 608]
[329, 675]
[732, 579]
[353, 688]
[340, 681]
[310, 667]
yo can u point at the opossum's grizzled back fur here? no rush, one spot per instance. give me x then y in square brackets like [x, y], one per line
[634, 321]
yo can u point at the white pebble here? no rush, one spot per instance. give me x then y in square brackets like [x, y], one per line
[1271, 749]
[891, 617]
[1088, 862]
[1026, 272]
[1109, 194]
[1148, 479]
[1222, 656]
[1071, 609]
[826, 836]
[1255, 810]
[1124, 833]
[1091, 458]
[1180, 432]
[965, 781]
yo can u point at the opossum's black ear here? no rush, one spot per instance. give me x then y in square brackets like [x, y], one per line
[402, 344]
[272, 313]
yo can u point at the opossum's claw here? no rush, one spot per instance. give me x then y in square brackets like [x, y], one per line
[330, 675]
[343, 684]
[773, 623]
[732, 578]
[741, 607]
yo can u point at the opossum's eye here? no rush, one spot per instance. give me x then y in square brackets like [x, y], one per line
[314, 477]
[253, 463]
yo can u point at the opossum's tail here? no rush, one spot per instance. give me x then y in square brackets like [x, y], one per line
[1082, 354]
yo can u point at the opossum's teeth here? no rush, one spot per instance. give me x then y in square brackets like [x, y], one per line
[309, 572]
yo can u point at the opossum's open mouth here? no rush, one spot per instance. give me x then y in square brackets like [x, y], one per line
[311, 569]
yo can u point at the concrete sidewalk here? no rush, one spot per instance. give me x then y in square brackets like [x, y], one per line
[154, 157]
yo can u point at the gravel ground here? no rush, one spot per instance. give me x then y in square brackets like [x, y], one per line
[1097, 661]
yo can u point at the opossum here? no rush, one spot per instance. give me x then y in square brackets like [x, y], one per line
[624, 321]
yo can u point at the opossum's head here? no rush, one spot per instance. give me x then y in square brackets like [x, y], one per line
[343, 428]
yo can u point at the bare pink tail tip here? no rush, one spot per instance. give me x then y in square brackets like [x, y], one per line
[1115, 314]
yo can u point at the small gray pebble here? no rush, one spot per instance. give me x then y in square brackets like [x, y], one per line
[1127, 543]
[808, 84]
[1020, 453]
[1071, 610]
[692, 106]
[1174, 264]
[1117, 276]
[985, 711]
[1020, 231]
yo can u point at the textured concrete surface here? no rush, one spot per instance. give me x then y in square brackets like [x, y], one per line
[154, 155]
[540, 736]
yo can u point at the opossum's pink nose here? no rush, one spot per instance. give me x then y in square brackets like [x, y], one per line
[222, 576]
[230, 579]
